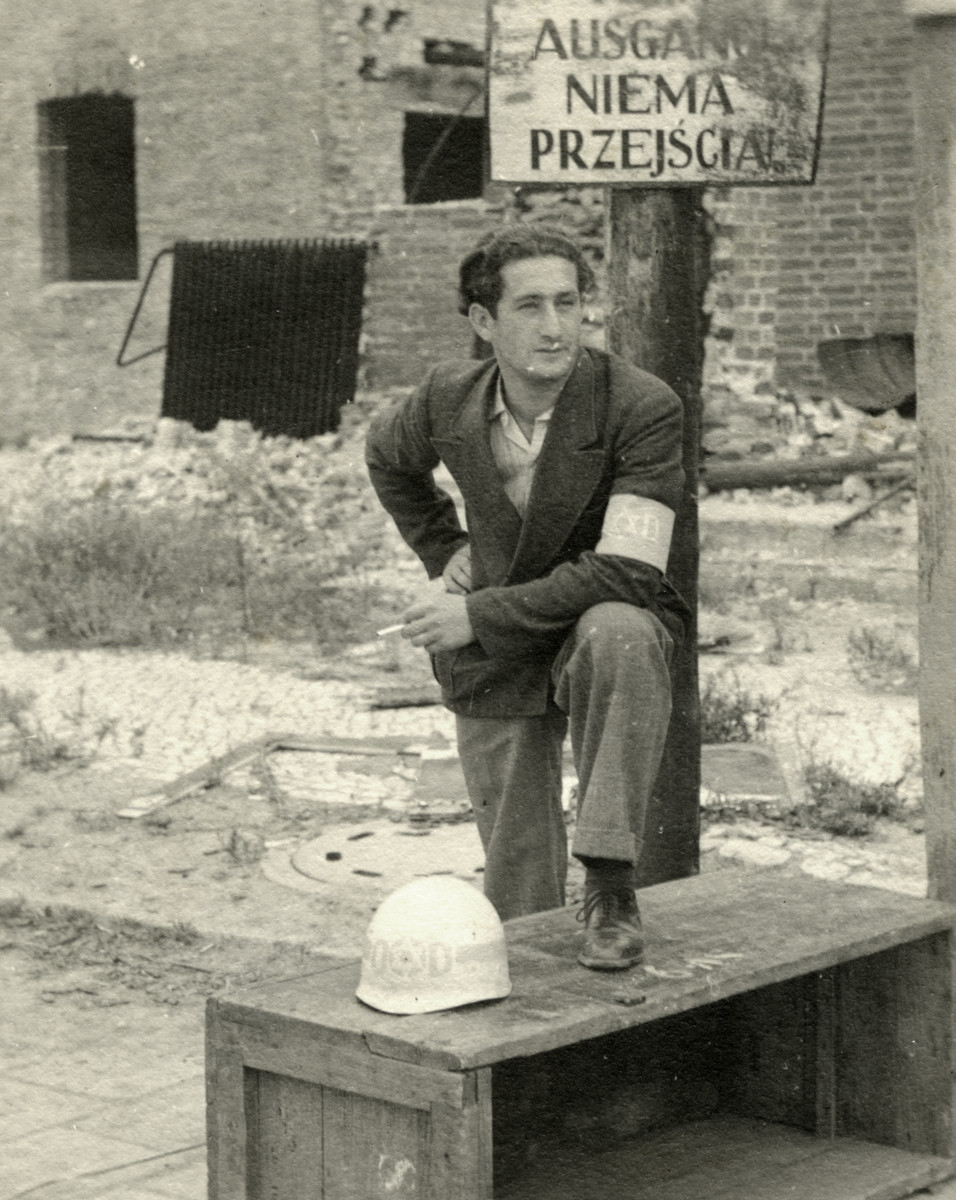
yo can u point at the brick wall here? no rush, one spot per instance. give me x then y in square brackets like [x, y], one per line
[373, 74]
[286, 121]
[411, 314]
[225, 97]
[795, 266]
[252, 121]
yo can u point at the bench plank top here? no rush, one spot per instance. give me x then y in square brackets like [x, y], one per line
[708, 937]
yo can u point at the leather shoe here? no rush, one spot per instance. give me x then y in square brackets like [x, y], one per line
[613, 938]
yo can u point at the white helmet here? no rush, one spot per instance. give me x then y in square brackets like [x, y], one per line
[435, 943]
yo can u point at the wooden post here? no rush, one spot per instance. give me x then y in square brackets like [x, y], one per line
[659, 253]
[934, 92]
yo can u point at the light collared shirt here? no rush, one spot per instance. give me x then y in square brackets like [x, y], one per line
[634, 526]
[515, 456]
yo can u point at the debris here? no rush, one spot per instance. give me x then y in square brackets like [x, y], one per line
[842, 526]
[245, 846]
[406, 697]
[630, 999]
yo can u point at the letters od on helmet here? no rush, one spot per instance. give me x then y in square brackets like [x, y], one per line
[410, 959]
[435, 943]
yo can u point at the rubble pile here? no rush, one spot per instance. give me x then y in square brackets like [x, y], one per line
[785, 424]
[282, 495]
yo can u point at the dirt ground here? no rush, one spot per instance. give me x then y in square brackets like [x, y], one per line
[124, 924]
[195, 867]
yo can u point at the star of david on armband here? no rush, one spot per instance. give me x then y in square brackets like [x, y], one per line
[636, 527]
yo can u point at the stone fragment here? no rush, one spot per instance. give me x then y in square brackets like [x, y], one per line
[754, 853]
[908, 885]
[824, 867]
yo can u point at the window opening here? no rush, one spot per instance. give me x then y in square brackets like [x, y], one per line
[443, 52]
[443, 158]
[88, 188]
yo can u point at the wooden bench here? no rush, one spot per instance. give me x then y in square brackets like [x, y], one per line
[786, 1038]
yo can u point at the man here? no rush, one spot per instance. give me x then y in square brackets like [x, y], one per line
[552, 610]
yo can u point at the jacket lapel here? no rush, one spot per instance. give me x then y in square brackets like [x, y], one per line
[568, 471]
[466, 451]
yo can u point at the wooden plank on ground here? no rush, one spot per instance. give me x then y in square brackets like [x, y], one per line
[216, 769]
[770, 473]
[422, 695]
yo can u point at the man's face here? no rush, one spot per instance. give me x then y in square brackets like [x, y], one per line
[536, 333]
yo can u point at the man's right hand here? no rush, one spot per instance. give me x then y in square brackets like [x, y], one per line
[457, 572]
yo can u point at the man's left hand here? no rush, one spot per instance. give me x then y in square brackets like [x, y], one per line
[439, 621]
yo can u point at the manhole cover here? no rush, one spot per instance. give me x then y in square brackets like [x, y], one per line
[388, 855]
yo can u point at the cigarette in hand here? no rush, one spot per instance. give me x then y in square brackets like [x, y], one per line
[390, 629]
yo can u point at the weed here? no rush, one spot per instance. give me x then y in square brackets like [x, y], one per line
[183, 932]
[881, 660]
[94, 822]
[137, 740]
[787, 633]
[264, 776]
[245, 847]
[13, 705]
[105, 574]
[730, 714]
[844, 806]
[13, 909]
[39, 749]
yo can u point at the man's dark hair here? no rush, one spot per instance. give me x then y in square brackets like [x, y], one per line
[479, 277]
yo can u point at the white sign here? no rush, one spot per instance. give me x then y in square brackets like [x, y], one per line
[643, 93]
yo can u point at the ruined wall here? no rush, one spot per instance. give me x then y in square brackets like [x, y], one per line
[374, 73]
[287, 121]
[412, 318]
[251, 121]
[795, 265]
[798, 265]
[226, 98]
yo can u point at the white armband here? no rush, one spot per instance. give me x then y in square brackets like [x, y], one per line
[635, 527]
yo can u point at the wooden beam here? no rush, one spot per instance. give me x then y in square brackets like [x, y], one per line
[805, 472]
[934, 94]
[659, 252]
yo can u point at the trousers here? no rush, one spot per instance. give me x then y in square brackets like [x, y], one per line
[612, 689]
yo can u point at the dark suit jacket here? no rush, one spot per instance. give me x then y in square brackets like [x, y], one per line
[614, 429]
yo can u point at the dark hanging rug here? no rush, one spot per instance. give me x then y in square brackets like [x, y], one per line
[265, 332]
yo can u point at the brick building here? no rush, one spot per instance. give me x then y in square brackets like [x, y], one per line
[126, 127]
[797, 265]
[309, 119]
